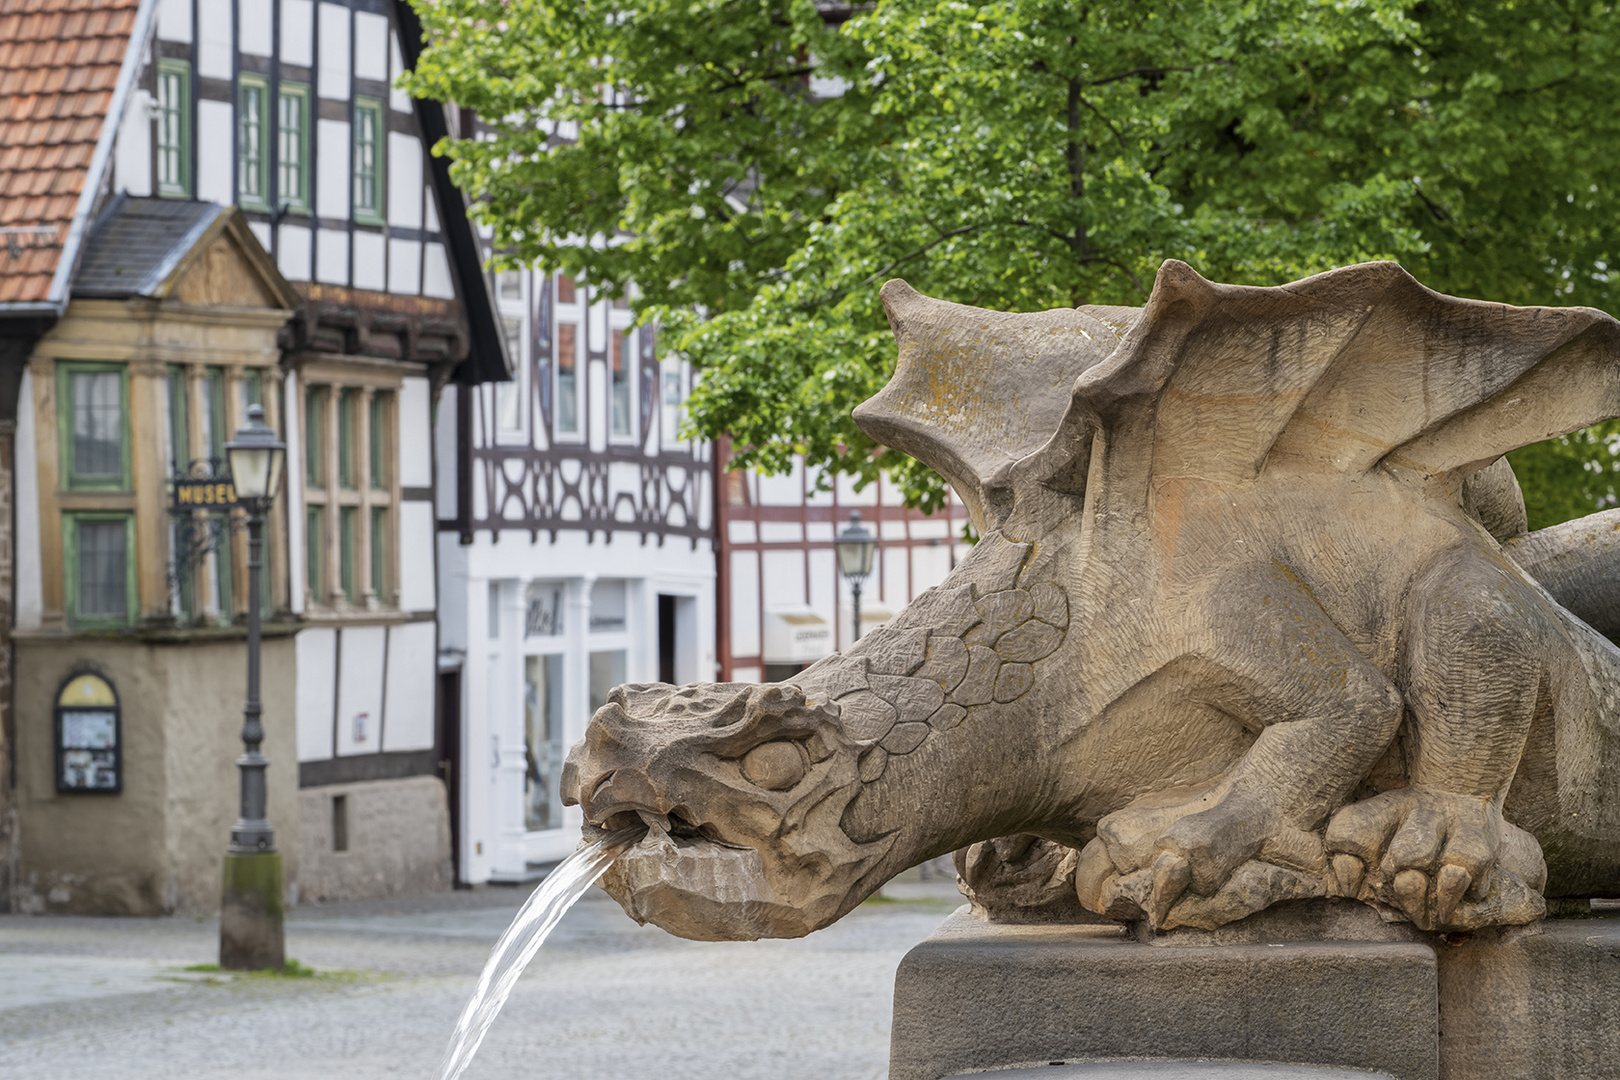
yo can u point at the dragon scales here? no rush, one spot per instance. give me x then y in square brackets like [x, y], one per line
[1254, 618]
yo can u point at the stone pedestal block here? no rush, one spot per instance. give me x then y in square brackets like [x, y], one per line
[977, 996]
[1540, 1003]
[1539, 1006]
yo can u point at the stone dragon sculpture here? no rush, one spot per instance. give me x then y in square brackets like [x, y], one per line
[1254, 617]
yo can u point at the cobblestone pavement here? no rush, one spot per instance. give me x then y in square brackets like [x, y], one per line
[89, 997]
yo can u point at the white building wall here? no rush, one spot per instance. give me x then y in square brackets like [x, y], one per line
[214, 119]
[297, 32]
[409, 694]
[132, 156]
[360, 689]
[214, 38]
[332, 77]
[316, 652]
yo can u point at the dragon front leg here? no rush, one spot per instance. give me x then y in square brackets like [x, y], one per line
[1439, 850]
[1324, 714]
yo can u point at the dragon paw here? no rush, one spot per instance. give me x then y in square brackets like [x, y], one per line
[1202, 861]
[1446, 861]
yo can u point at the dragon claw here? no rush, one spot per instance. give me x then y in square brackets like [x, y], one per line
[1447, 861]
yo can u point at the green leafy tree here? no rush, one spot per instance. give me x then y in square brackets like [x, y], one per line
[1024, 154]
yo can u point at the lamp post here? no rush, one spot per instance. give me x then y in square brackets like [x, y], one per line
[250, 929]
[856, 545]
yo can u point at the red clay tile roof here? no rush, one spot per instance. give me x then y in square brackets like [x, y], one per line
[59, 63]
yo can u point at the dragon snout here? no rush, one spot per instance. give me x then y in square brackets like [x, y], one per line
[619, 798]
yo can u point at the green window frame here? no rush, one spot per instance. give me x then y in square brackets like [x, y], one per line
[179, 421]
[292, 147]
[369, 159]
[84, 466]
[348, 519]
[252, 141]
[377, 429]
[85, 555]
[315, 399]
[174, 129]
[379, 552]
[347, 402]
[314, 550]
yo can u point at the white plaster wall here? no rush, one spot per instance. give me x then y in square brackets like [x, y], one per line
[929, 565]
[823, 590]
[415, 415]
[132, 155]
[745, 604]
[332, 257]
[416, 556]
[297, 23]
[370, 46]
[452, 610]
[410, 696]
[404, 180]
[370, 261]
[30, 576]
[444, 440]
[174, 20]
[214, 119]
[261, 229]
[332, 78]
[398, 100]
[316, 652]
[784, 580]
[255, 29]
[332, 155]
[436, 279]
[292, 251]
[214, 38]
[360, 685]
[404, 266]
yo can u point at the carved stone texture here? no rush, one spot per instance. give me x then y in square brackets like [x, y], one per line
[1254, 618]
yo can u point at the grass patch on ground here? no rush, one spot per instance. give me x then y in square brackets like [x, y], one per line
[292, 969]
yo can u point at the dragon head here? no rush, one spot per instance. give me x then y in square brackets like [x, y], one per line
[743, 789]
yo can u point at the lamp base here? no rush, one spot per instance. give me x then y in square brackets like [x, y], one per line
[250, 919]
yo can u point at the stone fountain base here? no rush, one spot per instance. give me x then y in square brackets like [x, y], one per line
[1320, 983]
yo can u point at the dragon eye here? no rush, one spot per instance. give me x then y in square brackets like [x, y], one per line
[774, 766]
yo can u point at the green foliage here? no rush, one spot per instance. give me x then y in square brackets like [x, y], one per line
[1021, 155]
[1570, 477]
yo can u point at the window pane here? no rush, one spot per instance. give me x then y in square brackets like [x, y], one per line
[346, 549]
[542, 709]
[379, 547]
[621, 384]
[213, 413]
[365, 160]
[511, 285]
[315, 436]
[103, 576]
[98, 424]
[179, 433]
[346, 447]
[567, 418]
[378, 431]
[607, 671]
[290, 139]
[250, 144]
[314, 551]
[171, 131]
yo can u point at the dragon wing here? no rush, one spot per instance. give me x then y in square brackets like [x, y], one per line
[1341, 372]
[975, 391]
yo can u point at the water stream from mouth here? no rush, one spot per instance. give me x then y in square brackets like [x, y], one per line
[523, 938]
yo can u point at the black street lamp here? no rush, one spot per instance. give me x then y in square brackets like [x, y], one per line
[856, 545]
[250, 927]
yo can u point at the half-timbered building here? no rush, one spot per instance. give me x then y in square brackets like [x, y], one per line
[576, 552]
[217, 203]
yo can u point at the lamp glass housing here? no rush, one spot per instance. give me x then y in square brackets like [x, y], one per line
[255, 457]
[856, 546]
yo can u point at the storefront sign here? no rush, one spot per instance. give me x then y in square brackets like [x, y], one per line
[210, 494]
[89, 750]
[796, 637]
